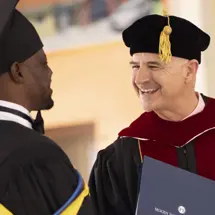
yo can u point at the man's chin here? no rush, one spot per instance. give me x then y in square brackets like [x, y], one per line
[147, 107]
[48, 105]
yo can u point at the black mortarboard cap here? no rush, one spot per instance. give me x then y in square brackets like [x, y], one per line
[19, 39]
[7, 6]
[167, 36]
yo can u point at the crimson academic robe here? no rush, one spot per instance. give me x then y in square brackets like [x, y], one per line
[36, 176]
[189, 144]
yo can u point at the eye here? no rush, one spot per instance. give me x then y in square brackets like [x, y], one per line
[45, 64]
[135, 67]
[154, 68]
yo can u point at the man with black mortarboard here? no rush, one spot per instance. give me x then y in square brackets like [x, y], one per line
[37, 177]
[178, 123]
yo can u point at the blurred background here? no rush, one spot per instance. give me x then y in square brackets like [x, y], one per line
[93, 95]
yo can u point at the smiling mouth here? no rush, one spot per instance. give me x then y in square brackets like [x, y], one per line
[148, 91]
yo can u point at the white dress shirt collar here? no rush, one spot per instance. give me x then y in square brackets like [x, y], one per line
[12, 117]
[199, 108]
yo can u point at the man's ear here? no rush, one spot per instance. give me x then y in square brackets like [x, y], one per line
[192, 68]
[16, 73]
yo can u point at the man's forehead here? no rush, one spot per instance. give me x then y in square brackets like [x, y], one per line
[146, 57]
[40, 55]
[154, 58]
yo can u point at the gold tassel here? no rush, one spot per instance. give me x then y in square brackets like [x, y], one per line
[165, 45]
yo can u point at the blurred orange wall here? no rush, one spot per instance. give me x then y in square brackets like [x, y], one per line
[93, 84]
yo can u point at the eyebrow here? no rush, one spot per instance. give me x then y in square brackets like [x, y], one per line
[133, 62]
[155, 63]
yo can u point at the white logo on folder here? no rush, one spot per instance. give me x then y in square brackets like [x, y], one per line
[181, 210]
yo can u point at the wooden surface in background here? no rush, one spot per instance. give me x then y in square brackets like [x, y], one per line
[77, 142]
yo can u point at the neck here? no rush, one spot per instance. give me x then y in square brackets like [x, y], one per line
[15, 93]
[181, 109]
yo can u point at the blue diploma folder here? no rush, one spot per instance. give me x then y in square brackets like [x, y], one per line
[168, 190]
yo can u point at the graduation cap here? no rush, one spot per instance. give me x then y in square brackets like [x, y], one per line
[7, 8]
[167, 36]
[19, 39]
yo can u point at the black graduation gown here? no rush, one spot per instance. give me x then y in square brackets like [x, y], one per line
[113, 181]
[37, 177]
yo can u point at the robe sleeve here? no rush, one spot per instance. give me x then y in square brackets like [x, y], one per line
[39, 184]
[113, 181]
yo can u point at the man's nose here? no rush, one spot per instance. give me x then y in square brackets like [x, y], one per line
[142, 76]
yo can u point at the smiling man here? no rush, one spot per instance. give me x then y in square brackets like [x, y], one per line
[163, 87]
[178, 124]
